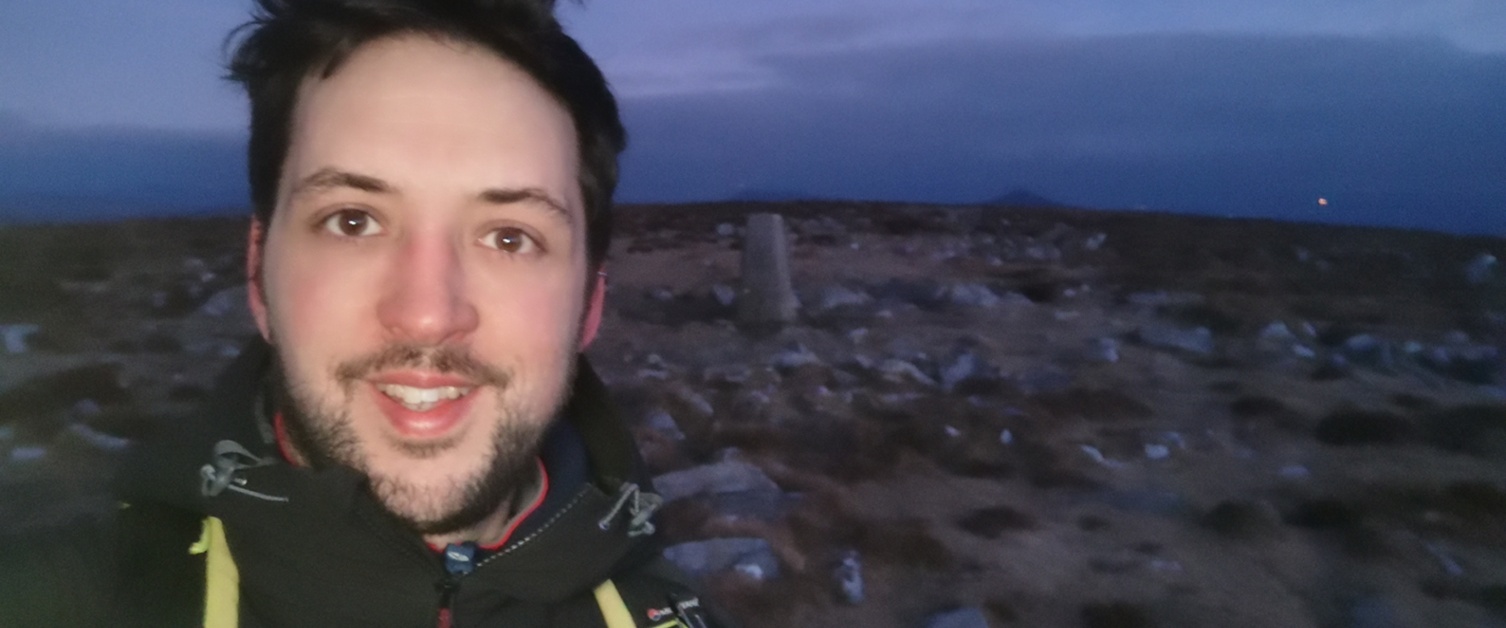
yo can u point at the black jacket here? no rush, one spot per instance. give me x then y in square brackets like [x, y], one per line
[314, 548]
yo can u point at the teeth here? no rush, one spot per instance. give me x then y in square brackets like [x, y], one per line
[421, 399]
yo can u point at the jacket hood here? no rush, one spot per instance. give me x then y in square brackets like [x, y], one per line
[296, 530]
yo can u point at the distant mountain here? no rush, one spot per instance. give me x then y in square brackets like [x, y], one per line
[1021, 197]
[770, 196]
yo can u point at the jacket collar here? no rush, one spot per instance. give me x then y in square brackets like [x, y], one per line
[224, 463]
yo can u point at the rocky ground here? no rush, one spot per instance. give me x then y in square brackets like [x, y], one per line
[984, 416]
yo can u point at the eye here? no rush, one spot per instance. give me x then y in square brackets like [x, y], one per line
[510, 240]
[352, 223]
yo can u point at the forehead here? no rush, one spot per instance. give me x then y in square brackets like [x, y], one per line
[433, 116]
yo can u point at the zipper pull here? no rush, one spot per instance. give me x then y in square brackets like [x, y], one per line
[459, 560]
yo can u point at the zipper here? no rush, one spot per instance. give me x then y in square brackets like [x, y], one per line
[459, 560]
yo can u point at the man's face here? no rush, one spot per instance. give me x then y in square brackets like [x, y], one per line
[423, 276]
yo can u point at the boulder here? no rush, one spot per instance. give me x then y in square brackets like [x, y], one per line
[849, 577]
[750, 556]
[971, 295]
[15, 337]
[1481, 269]
[1166, 336]
[836, 297]
[721, 477]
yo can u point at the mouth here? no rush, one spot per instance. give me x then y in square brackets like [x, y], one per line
[422, 399]
[422, 407]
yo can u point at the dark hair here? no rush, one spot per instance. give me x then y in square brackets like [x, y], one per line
[288, 40]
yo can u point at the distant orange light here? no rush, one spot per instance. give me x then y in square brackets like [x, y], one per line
[1323, 202]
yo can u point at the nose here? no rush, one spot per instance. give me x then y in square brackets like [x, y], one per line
[425, 300]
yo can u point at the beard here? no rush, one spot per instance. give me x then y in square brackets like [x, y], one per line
[324, 435]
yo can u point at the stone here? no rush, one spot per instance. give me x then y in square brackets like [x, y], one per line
[1277, 334]
[1369, 351]
[28, 453]
[15, 337]
[703, 558]
[1166, 336]
[661, 294]
[964, 367]
[98, 440]
[767, 296]
[969, 617]
[856, 336]
[794, 357]
[225, 302]
[1162, 298]
[660, 421]
[902, 372]
[721, 477]
[838, 297]
[849, 576]
[1481, 269]
[1096, 241]
[971, 295]
[1103, 350]
[1157, 451]
[726, 374]
[724, 294]
[726, 230]
[691, 400]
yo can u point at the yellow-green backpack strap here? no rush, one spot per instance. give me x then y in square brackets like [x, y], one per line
[613, 608]
[222, 581]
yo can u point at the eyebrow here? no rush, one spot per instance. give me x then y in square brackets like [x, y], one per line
[326, 179]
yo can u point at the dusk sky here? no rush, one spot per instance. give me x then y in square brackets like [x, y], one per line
[1393, 110]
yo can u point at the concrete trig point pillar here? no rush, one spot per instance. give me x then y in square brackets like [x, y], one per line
[767, 298]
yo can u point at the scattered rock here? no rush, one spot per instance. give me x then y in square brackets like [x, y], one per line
[1162, 298]
[97, 440]
[750, 556]
[964, 367]
[1165, 336]
[1103, 350]
[795, 357]
[969, 617]
[1481, 269]
[1369, 351]
[722, 477]
[661, 422]
[971, 295]
[839, 297]
[724, 294]
[731, 374]
[849, 576]
[902, 372]
[226, 302]
[1157, 451]
[15, 337]
[28, 453]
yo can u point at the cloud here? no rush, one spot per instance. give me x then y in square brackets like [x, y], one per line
[1397, 131]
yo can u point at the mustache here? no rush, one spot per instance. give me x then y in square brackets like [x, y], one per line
[448, 359]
